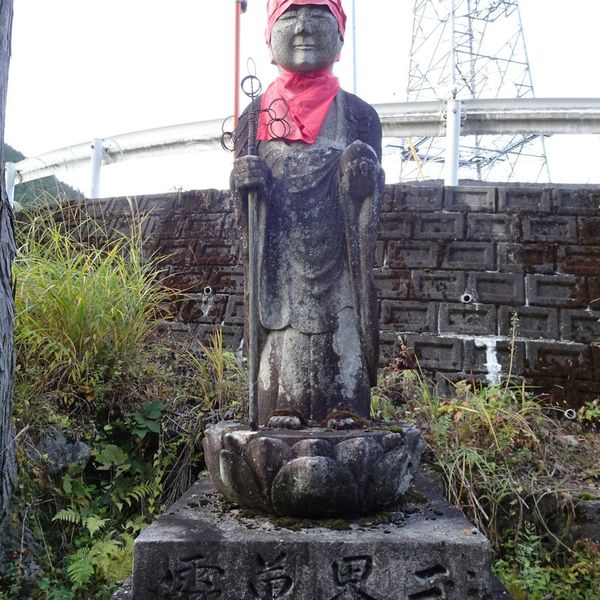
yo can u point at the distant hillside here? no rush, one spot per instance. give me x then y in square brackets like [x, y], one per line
[41, 191]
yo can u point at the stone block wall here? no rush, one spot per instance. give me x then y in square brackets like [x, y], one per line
[195, 236]
[480, 281]
[474, 281]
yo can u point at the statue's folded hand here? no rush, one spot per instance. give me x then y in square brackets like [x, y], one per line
[359, 170]
[250, 173]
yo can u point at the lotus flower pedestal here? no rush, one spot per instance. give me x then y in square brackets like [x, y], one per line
[312, 472]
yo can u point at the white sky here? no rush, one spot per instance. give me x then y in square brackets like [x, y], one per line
[95, 68]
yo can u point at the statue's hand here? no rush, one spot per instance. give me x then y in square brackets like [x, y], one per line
[359, 170]
[250, 173]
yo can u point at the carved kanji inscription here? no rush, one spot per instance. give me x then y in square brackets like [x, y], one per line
[273, 579]
[192, 579]
[350, 575]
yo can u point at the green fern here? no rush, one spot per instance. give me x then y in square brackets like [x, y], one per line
[80, 570]
[138, 493]
[137, 524]
[109, 558]
[69, 515]
[112, 558]
[94, 523]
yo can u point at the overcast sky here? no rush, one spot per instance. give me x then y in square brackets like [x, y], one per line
[95, 68]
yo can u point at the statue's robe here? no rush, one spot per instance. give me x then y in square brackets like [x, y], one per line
[319, 342]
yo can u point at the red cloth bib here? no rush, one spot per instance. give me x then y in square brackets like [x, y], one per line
[308, 97]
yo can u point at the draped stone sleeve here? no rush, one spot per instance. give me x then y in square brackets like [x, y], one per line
[241, 149]
[362, 226]
[363, 123]
[239, 203]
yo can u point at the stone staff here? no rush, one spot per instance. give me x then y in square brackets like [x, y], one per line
[248, 86]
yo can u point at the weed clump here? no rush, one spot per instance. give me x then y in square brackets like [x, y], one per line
[83, 311]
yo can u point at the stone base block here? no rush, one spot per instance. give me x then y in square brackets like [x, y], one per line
[204, 548]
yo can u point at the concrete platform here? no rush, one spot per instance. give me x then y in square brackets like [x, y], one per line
[203, 548]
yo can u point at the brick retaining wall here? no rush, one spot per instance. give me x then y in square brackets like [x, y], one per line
[453, 267]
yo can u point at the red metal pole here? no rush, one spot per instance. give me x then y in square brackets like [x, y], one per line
[236, 83]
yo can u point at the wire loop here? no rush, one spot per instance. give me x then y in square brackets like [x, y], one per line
[228, 136]
[277, 124]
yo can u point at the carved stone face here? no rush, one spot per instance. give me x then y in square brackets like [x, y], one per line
[306, 38]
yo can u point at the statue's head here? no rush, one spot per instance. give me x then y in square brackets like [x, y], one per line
[305, 35]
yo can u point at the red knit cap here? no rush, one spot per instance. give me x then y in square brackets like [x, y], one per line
[275, 8]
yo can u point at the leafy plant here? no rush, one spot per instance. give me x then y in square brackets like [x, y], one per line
[108, 557]
[82, 311]
[512, 469]
[147, 419]
[589, 413]
[89, 364]
[529, 572]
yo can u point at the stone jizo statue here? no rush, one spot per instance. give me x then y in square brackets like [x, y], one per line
[311, 188]
[319, 183]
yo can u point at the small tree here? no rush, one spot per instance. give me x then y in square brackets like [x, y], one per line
[7, 251]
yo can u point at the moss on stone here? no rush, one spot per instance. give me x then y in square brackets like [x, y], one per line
[393, 428]
[293, 523]
[414, 496]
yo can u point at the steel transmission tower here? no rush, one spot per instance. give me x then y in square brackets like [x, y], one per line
[471, 49]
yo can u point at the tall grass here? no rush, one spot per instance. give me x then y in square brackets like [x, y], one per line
[493, 452]
[498, 453]
[82, 309]
[222, 379]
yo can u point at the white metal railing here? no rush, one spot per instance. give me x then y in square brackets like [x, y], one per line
[498, 116]
[431, 119]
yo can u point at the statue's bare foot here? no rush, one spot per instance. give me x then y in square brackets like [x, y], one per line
[286, 419]
[343, 419]
[359, 169]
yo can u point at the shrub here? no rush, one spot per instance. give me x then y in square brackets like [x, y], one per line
[498, 454]
[87, 307]
[90, 362]
[82, 311]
